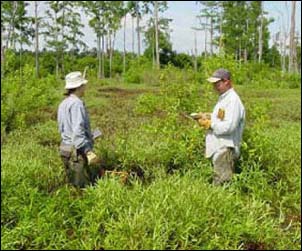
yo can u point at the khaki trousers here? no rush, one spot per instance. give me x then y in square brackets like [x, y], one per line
[223, 163]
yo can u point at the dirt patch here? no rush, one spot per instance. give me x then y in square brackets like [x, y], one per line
[160, 114]
[294, 218]
[291, 219]
[70, 232]
[255, 246]
[120, 92]
[49, 143]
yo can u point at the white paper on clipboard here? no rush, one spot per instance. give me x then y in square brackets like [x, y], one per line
[96, 133]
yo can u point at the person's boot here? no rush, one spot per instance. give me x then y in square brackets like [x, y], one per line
[101, 172]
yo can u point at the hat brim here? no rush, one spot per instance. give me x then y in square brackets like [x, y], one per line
[213, 80]
[84, 82]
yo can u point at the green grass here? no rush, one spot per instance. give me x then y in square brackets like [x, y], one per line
[170, 210]
[285, 104]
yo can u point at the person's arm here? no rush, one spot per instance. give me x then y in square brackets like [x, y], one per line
[78, 115]
[230, 121]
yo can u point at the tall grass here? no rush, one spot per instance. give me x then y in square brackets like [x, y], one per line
[178, 209]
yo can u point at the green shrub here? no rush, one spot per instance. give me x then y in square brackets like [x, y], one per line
[137, 69]
[171, 144]
[251, 73]
[23, 98]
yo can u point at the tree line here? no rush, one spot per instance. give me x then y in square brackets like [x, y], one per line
[239, 28]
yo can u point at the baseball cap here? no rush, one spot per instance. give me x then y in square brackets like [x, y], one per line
[219, 75]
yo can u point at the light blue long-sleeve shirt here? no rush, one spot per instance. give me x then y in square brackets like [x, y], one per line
[74, 124]
[226, 132]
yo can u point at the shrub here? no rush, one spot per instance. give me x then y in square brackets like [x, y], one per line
[22, 98]
[141, 71]
[251, 73]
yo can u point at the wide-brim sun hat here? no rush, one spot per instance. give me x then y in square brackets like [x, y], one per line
[74, 80]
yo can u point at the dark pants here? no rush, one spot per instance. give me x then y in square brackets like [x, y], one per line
[78, 172]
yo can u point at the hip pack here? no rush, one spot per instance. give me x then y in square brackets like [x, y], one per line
[67, 150]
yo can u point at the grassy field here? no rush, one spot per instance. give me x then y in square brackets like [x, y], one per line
[173, 205]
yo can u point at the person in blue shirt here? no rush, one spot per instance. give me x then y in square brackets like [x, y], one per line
[76, 147]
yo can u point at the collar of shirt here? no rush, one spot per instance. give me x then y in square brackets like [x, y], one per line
[73, 95]
[223, 95]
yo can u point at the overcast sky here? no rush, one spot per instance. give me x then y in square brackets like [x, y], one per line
[183, 15]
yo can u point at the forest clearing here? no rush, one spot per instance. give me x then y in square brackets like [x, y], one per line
[157, 192]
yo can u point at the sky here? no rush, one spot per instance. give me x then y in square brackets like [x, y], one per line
[183, 15]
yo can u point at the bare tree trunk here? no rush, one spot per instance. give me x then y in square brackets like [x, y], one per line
[9, 34]
[99, 57]
[111, 53]
[281, 50]
[37, 40]
[260, 34]
[245, 55]
[20, 55]
[124, 56]
[63, 41]
[13, 40]
[10, 42]
[111, 48]
[195, 52]
[57, 66]
[284, 52]
[138, 36]
[211, 36]
[205, 37]
[132, 23]
[292, 67]
[220, 35]
[4, 47]
[156, 33]
[107, 45]
[8, 38]
[283, 47]
[246, 42]
[103, 56]
[153, 50]
[298, 64]
[57, 51]
[281, 41]
[113, 42]
[2, 53]
[255, 49]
